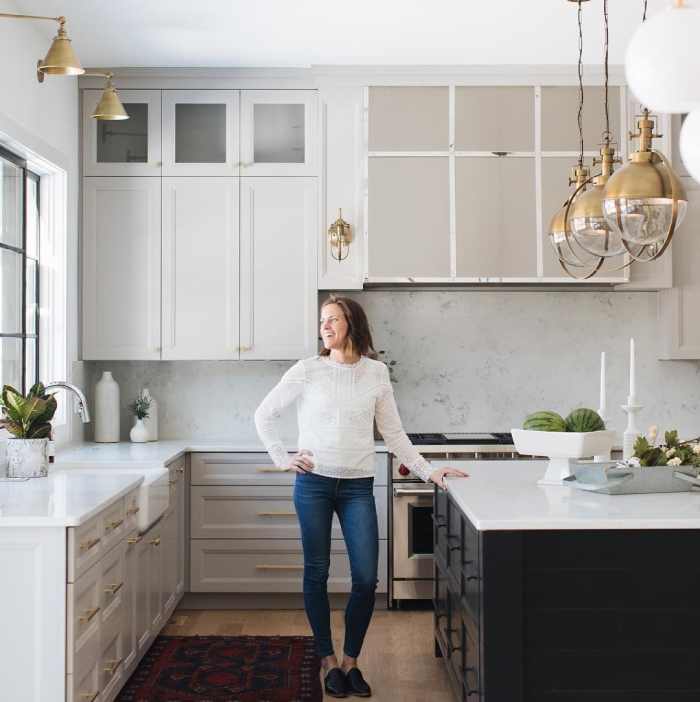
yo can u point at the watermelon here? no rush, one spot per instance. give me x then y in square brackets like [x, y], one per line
[584, 419]
[544, 421]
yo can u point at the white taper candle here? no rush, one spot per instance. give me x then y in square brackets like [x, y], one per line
[633, 385]
[603, 398]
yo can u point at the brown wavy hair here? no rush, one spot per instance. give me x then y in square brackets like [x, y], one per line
[359, 336]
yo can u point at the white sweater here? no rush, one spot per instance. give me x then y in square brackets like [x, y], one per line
[336, 405]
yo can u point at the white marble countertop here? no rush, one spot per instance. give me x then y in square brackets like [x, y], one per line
[62, 499]
[504, 495]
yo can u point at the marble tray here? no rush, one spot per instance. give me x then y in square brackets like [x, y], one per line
[612, 478]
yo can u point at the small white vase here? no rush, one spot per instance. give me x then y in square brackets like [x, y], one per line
[27, 458]
[151, 421]
[139, 433]
[107, 409]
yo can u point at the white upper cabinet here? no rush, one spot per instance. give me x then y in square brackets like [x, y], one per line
[129, 147]
[121, 268]
[200, 268]
[279, 220]
[200, 132]
[278, 133]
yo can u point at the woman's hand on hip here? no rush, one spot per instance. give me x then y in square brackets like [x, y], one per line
[438, 475]
[300, 462]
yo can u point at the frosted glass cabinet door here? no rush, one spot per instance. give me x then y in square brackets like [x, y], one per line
[121, 268]
[200, 132]
[129, 147]
[278, 133]
[496, 217]
[279, 224]
[200, 268]
[409, 217]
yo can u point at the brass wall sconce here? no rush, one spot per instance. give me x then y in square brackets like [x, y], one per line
[339, 236]
[60, 60]
[110, 106]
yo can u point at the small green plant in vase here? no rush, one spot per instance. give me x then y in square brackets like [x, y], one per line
[139, 408]
[28, 419]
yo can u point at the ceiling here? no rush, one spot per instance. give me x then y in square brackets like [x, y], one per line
[334, 32]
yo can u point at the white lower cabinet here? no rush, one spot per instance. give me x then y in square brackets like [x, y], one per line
[279, 218]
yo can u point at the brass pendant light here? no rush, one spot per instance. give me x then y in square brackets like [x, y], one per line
[339, 236]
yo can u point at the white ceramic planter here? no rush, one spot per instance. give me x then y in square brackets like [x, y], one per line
[139, 432]
[562, 447]
[27, 458]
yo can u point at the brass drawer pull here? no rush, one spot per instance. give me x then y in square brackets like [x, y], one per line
[114, 589]
[174, 481]
[181, 469]
[133, 510]
[155, 542]
[114, 525]
[277, 514]
[134, 540]
[89, 696]
[87, 545]
[89, 615]
[270, 469]
[111, 669]
[278, 567]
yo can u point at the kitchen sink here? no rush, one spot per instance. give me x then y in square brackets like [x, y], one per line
[154, 491]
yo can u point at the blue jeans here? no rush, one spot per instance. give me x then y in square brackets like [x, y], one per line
[316, 497]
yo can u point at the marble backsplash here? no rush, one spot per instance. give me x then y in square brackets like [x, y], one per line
[466, 360]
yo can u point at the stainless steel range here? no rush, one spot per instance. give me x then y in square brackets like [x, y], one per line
[411, 508]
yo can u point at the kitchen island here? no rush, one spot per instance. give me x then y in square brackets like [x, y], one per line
[551, 594]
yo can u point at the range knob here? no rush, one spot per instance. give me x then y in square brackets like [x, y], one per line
[403, 470]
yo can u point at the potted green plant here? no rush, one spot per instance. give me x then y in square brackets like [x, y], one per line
[140, 409]
[28, 419]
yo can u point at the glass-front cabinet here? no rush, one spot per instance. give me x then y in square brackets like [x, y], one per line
[200, 132]
[462, 180]
[129, 147]
[277, 133]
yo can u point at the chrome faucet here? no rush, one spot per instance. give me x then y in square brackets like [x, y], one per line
[82, 401]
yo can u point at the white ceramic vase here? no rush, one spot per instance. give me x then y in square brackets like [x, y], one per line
[27, 458]
[151, 421]
[139, 432]
[107, 409]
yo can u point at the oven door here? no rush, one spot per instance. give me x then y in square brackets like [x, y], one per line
[413, 531]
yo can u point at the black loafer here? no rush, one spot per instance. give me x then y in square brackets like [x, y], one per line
[356, 684]
[335, 683]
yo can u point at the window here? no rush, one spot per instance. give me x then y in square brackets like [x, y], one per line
[19, 272]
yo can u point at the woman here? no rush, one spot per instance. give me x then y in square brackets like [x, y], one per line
[339, 393]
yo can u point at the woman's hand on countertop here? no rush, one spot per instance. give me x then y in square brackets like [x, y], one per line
[300, 463]
[438, 475]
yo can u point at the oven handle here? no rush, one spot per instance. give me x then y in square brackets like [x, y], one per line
[412, 492]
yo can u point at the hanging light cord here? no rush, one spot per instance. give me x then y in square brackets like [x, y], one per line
[580, 84]
[644, 16]
[607, 114]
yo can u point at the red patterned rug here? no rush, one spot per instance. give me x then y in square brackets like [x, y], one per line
[226, 669]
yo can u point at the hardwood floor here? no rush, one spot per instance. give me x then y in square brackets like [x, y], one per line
[397, 657]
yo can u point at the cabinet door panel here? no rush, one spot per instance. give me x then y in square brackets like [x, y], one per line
[278, 267]
[278, 133]
[494, 118]
[200, 132]
[121, 268]
[141, 603]
[560, 113]
[409, 217]
[200, 268]
[409, 118]
[555, 190]
[496, 218]
[129, 147]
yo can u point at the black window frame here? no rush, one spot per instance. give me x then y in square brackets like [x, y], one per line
[27, 175]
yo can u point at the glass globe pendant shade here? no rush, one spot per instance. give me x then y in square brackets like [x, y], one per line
[689, 144]
[639, 199]
[591, 228]
[565, 247]
[662, 62]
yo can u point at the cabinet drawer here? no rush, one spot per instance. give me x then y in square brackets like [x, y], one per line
[237, 565]
[111, 658]
[114, 525]
[83, 679]
[84, 547]
[113, 567]
[245, 511]
[84, 607]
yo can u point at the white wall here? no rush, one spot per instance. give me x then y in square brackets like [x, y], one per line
[43, 119]
[466, 361]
